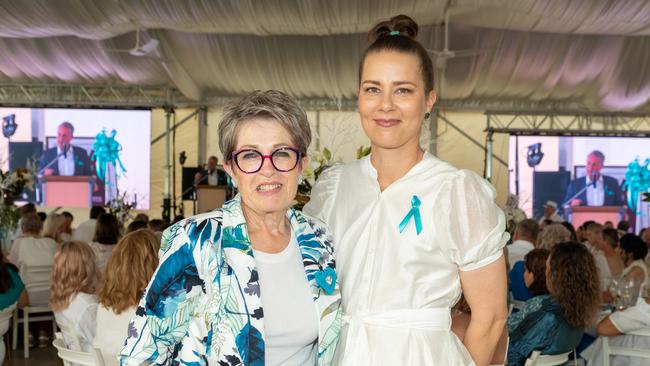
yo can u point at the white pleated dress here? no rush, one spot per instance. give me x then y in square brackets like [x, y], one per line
[397, 288]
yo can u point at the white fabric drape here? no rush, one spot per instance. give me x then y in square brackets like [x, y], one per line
[589, 54]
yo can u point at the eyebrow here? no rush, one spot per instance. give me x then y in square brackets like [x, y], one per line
[399, 82]
[257, 146]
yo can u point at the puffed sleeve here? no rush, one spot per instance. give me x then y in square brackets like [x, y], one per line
[471, 224]
[323, 193]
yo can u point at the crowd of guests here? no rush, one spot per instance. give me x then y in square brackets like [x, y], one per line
[565, 285]
[98, 273]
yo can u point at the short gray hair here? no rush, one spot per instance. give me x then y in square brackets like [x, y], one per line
[273, 105]
[67, 125]
[31, 223]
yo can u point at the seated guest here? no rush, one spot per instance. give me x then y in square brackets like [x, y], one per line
[128, 272]
[567, 225]
[66, 235]
[552, 235]
[593, 242]
[157, 225]
[550, 213]
[141, 217]
[86, 230]
[24, 210]
[12, 295]
[615, 326]
[523, 240]
[72, 292]
[609, 247]
[32, 250]
[554, 323]
[633, 252]
[136, 225]
[54, 226]
[107, 233]
[529, 280]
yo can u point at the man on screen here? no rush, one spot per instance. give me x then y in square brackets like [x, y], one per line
[212, 175]
[65, 159]
[601, 190]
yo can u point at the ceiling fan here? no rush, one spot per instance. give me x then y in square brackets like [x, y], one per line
[140, 50]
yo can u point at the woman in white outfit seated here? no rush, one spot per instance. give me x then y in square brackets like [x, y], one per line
[72, 293]
[128, 272]
[615, 326]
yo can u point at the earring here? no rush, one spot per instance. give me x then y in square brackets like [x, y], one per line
[427, 115]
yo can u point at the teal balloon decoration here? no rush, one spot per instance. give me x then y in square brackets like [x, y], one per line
[637, 180]
[107, 151]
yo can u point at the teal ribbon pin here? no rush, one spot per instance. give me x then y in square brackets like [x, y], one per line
[415, 213]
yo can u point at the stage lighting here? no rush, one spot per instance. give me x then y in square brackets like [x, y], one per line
[535, 154]
[182, 157]
[9, 125]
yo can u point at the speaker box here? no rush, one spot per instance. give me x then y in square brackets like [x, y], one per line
[549, 186]
[19, 155]
[188, 182]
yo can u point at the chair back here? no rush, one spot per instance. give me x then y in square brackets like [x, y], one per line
[609, 350]
[70, 357]
[70, 336]
[538, 359]
[37, 282]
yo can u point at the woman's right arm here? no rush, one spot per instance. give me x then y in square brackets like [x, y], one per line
[169, 304]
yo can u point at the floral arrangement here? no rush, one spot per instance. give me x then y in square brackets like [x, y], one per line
[12, 185]
[637, 181]
[121, 208]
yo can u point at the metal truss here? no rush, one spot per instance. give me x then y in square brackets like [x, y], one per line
[569, 124]
[88, 96]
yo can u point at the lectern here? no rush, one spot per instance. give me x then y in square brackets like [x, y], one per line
[209, 197]
[579, 214]
[68, 191]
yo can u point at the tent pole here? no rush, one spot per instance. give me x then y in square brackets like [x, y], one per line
[488, 156]
[166, 214]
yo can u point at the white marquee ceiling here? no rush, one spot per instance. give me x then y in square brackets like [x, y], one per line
[587, 53]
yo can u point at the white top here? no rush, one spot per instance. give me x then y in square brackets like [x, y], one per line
[601, 263]
[408, 278]
[81, 316]
[554, 217]
[102, 253]
[65, 162]
[517, 250]
[28, 252]
[640, 263]
[213, 178]
[631, 319]
[111, 332]
[85, 231]
[595, 195]
[291, 327]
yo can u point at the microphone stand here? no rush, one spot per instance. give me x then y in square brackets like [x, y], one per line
[39, 175]
[193, 187]
[567, 205]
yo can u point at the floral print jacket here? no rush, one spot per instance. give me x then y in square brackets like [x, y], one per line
[203, 304]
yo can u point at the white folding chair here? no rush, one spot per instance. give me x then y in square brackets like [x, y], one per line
[5, 319]
[70, 357]
[70, 334]
[538, 359]
[626, 351]
[37, 280]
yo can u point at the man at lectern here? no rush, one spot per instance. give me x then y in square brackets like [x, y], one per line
[594, 189]
[65, 159]
[212, 175]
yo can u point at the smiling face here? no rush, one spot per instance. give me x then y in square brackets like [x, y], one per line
[594, 165]
[268, 190]
[63, 136]
[392, 100]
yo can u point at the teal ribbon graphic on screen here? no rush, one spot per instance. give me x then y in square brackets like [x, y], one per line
[637, 180]
[414, 213]
[107, 150]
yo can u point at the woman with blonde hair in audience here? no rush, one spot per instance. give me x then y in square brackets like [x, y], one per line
[127, 274]
[72, 292]
[555, 323]
[552, 235]
[107, 234]
[54, 227]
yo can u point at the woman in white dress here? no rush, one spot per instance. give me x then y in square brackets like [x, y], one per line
[410, 229]
[633, 251]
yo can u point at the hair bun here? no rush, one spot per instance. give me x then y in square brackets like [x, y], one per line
[403, 24]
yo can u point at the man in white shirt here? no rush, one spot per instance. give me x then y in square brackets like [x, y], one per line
[524, 240]
[86, 230]
[594, 237]
[601, 190]
[550, 213]
[213, 175]
[65, 159]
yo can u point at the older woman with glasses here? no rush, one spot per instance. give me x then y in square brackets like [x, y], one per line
[253, 282]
